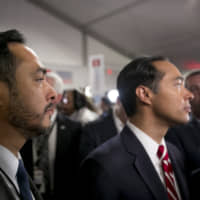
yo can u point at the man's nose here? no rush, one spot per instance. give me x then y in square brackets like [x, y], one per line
[52, 94]
[190, 95]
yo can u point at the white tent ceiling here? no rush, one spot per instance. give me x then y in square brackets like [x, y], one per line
[134, 27]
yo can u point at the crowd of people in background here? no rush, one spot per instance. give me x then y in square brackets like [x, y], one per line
[144, 146]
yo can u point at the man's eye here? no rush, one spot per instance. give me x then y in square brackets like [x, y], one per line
[179, 83]
[40, 79]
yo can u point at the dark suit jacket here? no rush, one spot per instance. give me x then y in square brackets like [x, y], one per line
[8, 191]
[96, 133]
[120, 169]
[66, 159]
[187, 139]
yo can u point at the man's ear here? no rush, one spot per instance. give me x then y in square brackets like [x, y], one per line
[144, 94]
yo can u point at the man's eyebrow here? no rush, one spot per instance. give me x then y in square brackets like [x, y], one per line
[43, 70]
[179, 78]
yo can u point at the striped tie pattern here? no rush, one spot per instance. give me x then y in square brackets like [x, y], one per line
[42, 162]
[168, 173]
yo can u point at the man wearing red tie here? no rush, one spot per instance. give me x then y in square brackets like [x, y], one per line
[138, 164]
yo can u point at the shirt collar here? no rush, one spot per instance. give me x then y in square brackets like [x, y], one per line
[150, 146]
[54, 115]
[8, 162]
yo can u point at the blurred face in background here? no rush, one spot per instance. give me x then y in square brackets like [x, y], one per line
[67, 103]
[193, 84]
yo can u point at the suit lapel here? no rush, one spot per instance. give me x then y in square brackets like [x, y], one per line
[61, 132]
[61, 140]
[180, 175]
[143, 164]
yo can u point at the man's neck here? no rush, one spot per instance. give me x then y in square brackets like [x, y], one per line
[11, 139]
[151, 127]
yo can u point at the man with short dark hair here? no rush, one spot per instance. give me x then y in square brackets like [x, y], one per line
[26, 105]
[187, 137]
[138, 163]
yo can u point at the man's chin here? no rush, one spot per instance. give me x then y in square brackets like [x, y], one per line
[184, 121]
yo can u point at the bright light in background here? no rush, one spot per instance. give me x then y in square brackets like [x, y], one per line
[113, 95]
[88, 92]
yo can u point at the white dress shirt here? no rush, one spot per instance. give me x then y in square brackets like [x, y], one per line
[51, 154]
[9, 164]
[151, 148]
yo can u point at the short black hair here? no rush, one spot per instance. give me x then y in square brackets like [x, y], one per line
[138, 72]
[8, 61]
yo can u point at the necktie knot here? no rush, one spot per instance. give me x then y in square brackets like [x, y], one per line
[22, 179]
[160, 151]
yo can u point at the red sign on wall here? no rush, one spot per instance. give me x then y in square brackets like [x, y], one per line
[96, 63]
[96, 74]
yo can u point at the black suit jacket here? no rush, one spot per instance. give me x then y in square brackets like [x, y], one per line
[187, 139]
[120, 169]
[66, 159]
[97, 132]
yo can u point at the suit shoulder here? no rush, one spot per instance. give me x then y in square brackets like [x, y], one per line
[108, 153]
[67, 121]
[98, 124]
[7, 191]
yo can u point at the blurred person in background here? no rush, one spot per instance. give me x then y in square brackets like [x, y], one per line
[105, 106]
[187, 137]
[105, 127]
[53, 159]
[27, 102]
[78, 107]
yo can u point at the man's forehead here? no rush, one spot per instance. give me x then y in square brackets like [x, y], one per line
[161, 64]
[25, 54]
[21, 51]
[194, 77]
[166, 67]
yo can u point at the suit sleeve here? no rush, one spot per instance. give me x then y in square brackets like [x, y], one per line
[96, 183]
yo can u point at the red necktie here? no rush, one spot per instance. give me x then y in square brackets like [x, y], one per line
[168, 173]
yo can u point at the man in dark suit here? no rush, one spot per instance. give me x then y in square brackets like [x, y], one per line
[63, 152]
[187, 137]
[66, 163]
[135, 164]
[97, 132]
[22, 86]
